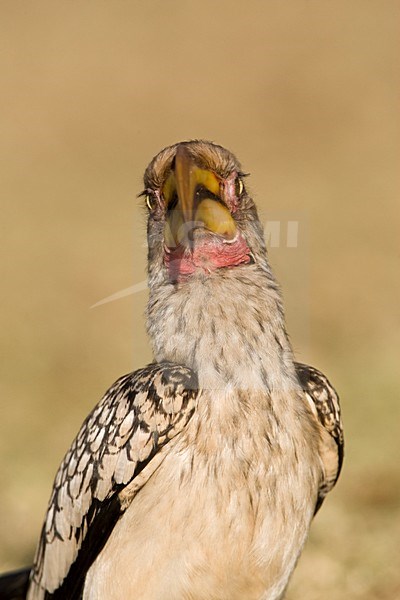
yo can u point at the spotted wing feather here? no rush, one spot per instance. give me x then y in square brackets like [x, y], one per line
[324, 403]
[135, 419]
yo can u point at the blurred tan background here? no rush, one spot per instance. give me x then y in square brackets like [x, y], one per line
[306, 94]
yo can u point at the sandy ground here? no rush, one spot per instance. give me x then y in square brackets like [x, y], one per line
[306, 93]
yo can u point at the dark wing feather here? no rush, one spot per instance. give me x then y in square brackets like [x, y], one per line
[140, 413]
[325, 406]
[14, 585]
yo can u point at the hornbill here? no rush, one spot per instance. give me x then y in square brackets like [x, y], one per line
[196, 477]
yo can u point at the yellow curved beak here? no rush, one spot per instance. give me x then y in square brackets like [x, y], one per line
[189, 207]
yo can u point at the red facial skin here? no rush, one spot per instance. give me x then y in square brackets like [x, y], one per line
[211, 253]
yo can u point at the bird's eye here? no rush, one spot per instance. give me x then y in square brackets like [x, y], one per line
[239, 187]
[151, 202]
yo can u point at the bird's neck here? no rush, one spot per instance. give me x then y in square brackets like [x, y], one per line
[227, 326]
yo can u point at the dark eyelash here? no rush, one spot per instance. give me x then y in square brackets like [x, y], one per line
[144, 193]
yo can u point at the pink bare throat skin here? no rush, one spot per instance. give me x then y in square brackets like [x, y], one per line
[207, 256]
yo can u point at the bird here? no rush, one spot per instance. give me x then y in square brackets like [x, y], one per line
[198, 476]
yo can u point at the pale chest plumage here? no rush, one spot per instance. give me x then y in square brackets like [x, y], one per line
[214, 521]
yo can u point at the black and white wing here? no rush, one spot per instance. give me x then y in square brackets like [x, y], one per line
[324, 403]
[119, 446]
